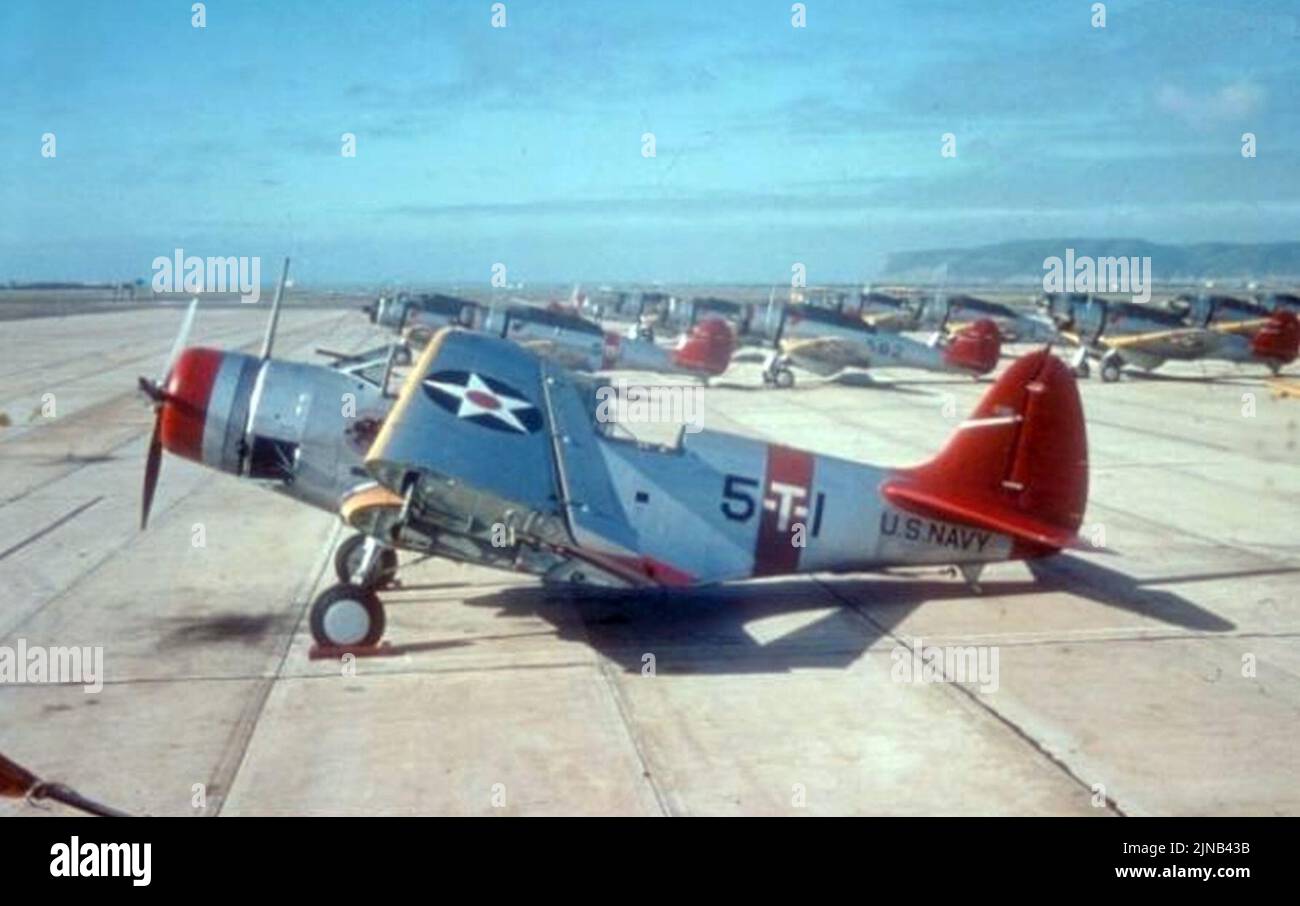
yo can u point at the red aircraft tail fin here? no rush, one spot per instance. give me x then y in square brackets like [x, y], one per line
[1018, 465]
[1279, 339]
[707, 348]
[976, 347]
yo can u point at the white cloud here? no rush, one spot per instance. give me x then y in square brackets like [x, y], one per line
[1231, 102]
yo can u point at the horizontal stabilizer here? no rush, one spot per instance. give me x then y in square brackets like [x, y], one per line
[986, 514]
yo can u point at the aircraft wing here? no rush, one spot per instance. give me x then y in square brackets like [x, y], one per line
[470, 419]
[485, 432]
[1189, 337]
[1070, 336]
[826, 355]
[564, 353]
[1283, 388]
[892, 320]
[1248, 326]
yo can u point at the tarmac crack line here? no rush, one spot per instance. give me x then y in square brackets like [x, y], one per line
[1017, 730]
[603, 667]
[36, 536]
[623, 709]
[235, 753]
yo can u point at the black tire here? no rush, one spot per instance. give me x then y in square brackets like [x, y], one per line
[348, 555]
[336, 623]
[1082, 370]
[784, 378]
[1110, 371]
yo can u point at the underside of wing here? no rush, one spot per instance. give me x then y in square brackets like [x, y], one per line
[1183, 336]
[888, 320]
[1249, 326]
[826, 355]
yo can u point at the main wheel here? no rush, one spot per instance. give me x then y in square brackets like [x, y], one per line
[1110, 371]
[347, 615]
[784, 378]
[1081, 370]
[348, 558]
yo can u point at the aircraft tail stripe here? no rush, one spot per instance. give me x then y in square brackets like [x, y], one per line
[774, 550]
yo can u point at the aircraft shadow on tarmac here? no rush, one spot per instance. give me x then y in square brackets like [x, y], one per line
[1226, 380]
[856, 379]
[708, 630]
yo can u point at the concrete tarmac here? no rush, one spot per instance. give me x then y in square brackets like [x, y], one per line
[1157, 675]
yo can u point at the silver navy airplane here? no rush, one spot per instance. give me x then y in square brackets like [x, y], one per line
[825, 342]
[1121, 333]
[497, 454]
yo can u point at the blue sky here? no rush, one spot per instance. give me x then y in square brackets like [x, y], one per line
[523, 145]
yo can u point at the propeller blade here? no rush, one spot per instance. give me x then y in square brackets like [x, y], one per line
[152, 465]
[181, 337]
[150, 389]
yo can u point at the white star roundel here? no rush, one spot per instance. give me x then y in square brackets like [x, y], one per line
[482, 400]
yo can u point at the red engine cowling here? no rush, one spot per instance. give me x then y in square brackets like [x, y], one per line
[1279, 339]
[708, 347]
[975, 348]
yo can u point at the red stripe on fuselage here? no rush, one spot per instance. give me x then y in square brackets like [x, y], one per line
[786, 502]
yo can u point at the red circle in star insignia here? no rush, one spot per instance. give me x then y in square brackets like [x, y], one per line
[485, 400]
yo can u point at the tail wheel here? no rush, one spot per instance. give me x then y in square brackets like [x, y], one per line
[347, 563]
[345, 616]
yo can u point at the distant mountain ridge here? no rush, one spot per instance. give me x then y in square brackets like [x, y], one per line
[1021, 261]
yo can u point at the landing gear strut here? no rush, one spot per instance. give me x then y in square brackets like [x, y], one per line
[777, 373]
[360, 560]
[1080, 363]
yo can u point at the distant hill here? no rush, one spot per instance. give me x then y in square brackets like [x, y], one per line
[1021, 261]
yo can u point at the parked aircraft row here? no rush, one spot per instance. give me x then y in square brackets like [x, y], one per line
[819, 339]
[828, 333]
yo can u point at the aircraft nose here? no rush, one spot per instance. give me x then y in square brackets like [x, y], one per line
[185, 401]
